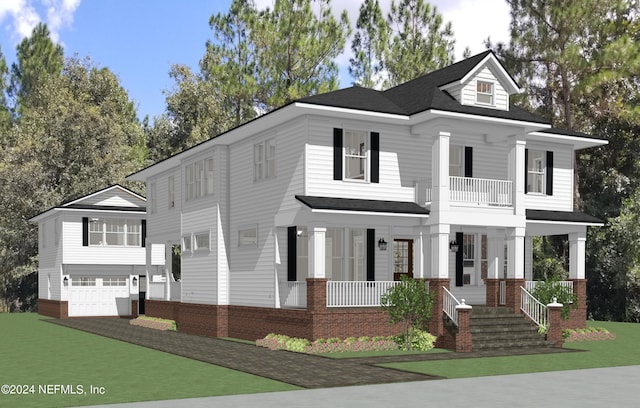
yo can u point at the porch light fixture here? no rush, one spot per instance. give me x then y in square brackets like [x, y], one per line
[382, 244]
[66, 281]
[453, 246]
[135, 281]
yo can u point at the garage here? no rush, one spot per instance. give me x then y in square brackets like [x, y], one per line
[99, 296]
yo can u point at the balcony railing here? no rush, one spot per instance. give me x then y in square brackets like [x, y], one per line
[293, 294]
[497, 193]
[357, 293]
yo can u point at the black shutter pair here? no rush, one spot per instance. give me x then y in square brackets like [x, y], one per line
[549, 180]
[85, 232]
[292, 254]
[337, 155]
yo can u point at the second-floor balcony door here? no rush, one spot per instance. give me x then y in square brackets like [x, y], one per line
[402, 258]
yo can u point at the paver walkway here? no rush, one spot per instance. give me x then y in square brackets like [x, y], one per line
[299, 369]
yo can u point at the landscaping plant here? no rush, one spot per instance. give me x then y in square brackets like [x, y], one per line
[408, 303]
[545, 291]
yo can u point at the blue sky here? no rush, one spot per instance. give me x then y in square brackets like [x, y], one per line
[139, 40]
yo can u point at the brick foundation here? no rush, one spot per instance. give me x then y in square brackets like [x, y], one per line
[514, 293]
[554, 333]
[134, 308]
[578, 317]
[53, 308]
[492, 292]
[464, 340]
[436, 323]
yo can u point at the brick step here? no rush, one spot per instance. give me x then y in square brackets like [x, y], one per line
[486, 310]
[506, 336]
[497, 345]
[495, 328]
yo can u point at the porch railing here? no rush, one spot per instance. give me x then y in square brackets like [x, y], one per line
[293, 294]
[470, 190]
[357, 293]
[503, 292]
[156, 290]
[533, 308]
[531, 285]
[175, 293]
[449, 303]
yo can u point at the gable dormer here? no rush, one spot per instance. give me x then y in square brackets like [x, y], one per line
[486, 84]
[113, 196]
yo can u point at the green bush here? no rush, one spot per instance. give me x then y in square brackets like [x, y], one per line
[545, 291]
[420, 340]
[298, 345]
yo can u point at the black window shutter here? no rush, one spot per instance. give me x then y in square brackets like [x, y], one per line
[337, 154]
[85, 231]
[459, 259]
[549, 173]
[468, 161]
[144, 233]
[371, 254]
[526, 171]
[375, 157]
[292, 254]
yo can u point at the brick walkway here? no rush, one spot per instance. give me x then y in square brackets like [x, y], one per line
[304, 370]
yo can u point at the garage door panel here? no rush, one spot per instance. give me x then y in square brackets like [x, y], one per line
[99, 296]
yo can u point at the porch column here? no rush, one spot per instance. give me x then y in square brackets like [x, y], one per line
[515, 267]
[316, 282]
[422, 254]
[440, 171]
[516, 173]
[168, 268]
[495, 245]
[528, 258]
[438, 275]
[577, 244]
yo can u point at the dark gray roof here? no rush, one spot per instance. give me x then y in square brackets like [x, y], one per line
[557, 131]
[418, 95]
[564, 216]
[352, 204]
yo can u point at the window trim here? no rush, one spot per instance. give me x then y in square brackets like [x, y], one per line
[491, 95]
[365, 159]
[202, 248]
[127, 231]
[171, 187]
[265, 155]
[532, 173]
[187, 244]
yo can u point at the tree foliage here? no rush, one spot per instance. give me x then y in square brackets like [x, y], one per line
[369, 45]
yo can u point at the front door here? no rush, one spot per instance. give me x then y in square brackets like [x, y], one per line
[402, 258]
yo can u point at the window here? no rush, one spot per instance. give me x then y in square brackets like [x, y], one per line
[468, 250]
[199, 179]
[186, 243]
[356, 255]
[248, 237]
[43, 238]
[264, 160]
[355, 155]
[56, 231]
[152, 198]
[455, 161]
[115, 232]
[201, 241]
[536, 171]
[172, 192]
[83, 281]
[484, 92]
[333, 254]
[114, 281]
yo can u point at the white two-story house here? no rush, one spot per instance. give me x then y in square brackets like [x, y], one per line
[92, 255]
[299, 220]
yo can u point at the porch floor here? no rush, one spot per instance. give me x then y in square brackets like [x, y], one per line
[304, 370]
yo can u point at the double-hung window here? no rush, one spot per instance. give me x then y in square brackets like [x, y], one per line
[114, 232]
[199, 179]
[536, 167]
[356, 155]
[455, 161]
[484, 92]
[264, 160]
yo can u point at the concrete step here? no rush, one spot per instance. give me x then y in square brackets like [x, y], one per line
[494, 328]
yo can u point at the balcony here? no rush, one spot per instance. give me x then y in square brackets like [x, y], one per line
[470, 191]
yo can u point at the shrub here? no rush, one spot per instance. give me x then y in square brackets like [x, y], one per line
[420, 340]
[587, 334]
[545, 291]
[331, 345]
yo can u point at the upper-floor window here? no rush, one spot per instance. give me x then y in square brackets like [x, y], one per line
[468, 250]
[484, 92]
[264, 160]
[455, 161]
[538, 177]
[172, 192]
[152, 198]
[356, 155]
[199, 179]
[248, 236]
[201, 241]
[115, 232]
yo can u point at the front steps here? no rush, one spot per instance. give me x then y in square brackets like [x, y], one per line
[496, 328]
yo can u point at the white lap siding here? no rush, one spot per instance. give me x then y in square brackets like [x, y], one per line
[199, 267]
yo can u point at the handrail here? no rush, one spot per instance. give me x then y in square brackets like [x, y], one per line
[449, 303]
[533, 308]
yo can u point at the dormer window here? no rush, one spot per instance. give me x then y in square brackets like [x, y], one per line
[484, 92]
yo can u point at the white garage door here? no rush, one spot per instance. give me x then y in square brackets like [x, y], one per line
[99, 296]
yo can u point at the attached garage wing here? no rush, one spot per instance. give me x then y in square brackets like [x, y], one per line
[99, 296]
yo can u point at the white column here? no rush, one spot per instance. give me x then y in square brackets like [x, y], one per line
[419, 251]
[577, 243]
[515, 268]
[528, 256]
[516, 174]
[440, 251]
[317, 237]
[440, 171]
[495, 247]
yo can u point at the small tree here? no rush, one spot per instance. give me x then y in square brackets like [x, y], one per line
[409, 303]
[545, 291]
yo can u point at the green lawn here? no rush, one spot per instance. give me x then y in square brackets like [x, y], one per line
[620, 352]
[38, 353]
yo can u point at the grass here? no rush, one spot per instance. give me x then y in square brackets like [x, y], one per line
[622, 351]
[35, 352]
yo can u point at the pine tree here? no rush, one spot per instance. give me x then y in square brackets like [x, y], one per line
[369, 45]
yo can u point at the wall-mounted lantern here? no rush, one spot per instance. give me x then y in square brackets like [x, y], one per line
[382, 244]
[135, 281]
[66, 281]
[453, 246]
